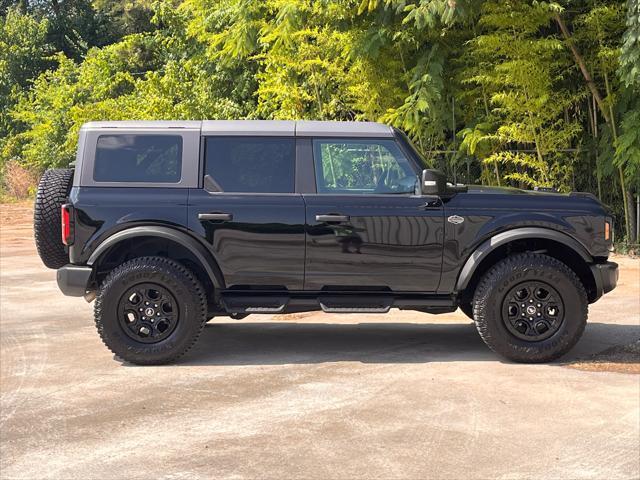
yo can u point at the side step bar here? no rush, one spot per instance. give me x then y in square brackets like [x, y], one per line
[356, 304]
[254, 303]
[246, 302]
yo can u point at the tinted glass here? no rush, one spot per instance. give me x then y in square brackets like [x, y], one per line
[362, 167]
[138, 158]
[251, 164]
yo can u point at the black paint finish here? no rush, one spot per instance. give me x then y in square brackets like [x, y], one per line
[102, 211]
[490, 211]
[388, 241]
[262, 245]
[402, 244]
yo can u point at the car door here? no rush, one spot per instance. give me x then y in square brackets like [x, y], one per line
[367, 229]
[247, 211]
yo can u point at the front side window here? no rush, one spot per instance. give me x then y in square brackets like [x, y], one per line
[138, 158]
[362, 166]
[251, 164]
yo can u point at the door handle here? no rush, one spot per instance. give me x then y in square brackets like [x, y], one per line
[432, 203]
[223, 217]
[332, 218]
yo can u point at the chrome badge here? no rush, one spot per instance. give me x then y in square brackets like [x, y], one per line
[455, 219]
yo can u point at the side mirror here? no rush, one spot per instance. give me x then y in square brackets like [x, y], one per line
[434, 182]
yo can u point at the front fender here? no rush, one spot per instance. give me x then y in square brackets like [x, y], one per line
[484, 249]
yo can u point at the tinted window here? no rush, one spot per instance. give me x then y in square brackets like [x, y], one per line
[362, 167]
[138, 158]
[251, 164]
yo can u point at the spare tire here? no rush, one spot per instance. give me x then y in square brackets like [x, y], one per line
[53, 190]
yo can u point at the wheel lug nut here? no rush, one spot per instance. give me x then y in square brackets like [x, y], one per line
[158, 314]
[530, 301]
[530, 318]
[523, 314]
[523, 305]
[155, 305]
[146, 303]
[538, 305]
[140, 309]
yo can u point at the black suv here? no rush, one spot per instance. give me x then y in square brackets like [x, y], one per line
[167, 224]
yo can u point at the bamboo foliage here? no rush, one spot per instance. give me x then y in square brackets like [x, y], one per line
[510, 93]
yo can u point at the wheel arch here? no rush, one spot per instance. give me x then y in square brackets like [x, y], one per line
[551, 242]
[205, 264]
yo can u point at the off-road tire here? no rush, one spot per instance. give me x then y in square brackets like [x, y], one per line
[172, 276]
[505, 275]
[53, 190]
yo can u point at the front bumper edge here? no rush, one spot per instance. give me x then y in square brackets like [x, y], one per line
[606, 277]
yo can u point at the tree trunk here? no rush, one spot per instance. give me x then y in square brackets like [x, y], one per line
[625, 193]
[633, 228]
[593, 117]
[583, 66]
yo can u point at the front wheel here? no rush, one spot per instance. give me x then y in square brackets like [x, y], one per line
[530, 308]
[150, 310]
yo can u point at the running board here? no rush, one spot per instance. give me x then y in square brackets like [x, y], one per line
[355, 304]
[254, 303]
[272, 302]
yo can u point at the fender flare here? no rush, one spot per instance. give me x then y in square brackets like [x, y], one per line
[485, 248]
[194, 246]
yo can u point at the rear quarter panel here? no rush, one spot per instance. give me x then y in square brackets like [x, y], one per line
[103, 211]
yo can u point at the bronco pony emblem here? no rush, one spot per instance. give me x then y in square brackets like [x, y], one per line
[455, 219]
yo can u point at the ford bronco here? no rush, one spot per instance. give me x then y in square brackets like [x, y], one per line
[167, 224]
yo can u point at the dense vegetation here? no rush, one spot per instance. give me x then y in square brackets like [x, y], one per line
[503, 92]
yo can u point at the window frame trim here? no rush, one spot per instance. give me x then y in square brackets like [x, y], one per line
[188, 170]
[95, 163]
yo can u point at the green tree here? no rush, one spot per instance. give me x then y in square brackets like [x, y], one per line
[519, 71]
[23, 55]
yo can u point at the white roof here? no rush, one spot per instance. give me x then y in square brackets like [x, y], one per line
[302, 128]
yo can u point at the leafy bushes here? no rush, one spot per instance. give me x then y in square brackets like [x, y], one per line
[521, 93]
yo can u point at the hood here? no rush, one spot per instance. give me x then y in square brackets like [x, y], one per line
[513, 191]
[573, 198]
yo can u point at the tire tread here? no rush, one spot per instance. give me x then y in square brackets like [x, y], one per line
[53, 189]
[533, 353]
[168, 266]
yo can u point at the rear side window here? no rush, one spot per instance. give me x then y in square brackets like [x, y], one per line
[251, 164]
[138, 158]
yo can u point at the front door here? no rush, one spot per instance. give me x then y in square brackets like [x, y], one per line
[248, 213]
[367, 229]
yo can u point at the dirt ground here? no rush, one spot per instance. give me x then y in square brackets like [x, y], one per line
[403, 395]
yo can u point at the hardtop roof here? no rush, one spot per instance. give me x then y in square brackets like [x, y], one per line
[301, 128]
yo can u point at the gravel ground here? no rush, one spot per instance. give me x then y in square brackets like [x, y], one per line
[403, 395]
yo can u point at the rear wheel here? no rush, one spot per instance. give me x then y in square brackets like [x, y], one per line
[467, 309]
[53, 189]
[150, 310]
[530, 308]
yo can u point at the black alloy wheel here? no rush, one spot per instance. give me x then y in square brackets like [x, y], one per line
[533, 311]
[148, 313]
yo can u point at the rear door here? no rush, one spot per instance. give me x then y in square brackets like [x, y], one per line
[366, 226]
[248, 213]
